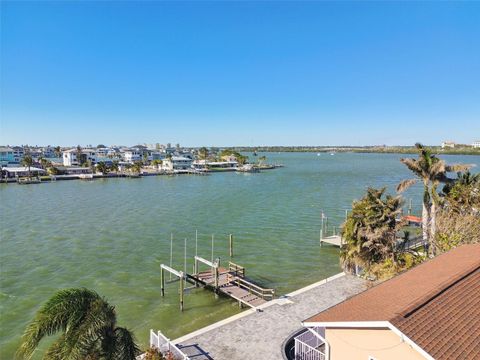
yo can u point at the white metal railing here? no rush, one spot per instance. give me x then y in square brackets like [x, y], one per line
[307, 346]
[162, 343]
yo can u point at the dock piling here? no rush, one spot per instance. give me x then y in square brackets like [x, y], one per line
[162, 282]
[230, 238]
[181, 292]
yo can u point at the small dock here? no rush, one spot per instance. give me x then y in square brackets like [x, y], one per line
[229, 281]
[335, 240]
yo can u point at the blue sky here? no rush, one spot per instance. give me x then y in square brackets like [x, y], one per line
[239, 73]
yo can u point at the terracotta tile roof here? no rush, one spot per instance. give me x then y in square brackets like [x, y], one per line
[436, 304]
[448, 326]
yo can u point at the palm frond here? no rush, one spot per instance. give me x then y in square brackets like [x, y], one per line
[405, 184]
[126, 349]
[458, 167]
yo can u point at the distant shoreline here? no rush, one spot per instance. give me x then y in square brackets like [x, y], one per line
[359, 149]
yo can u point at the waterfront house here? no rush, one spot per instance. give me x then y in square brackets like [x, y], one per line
[214, 165]
[6, 156]
[18, 154]
[476, 144]
[177, 163]
[429, 312]
[15, 172]
[70, 157]
[448, 144]
[73, 170]
[132, 155]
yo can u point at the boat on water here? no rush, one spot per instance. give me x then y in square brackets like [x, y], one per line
[247, 168]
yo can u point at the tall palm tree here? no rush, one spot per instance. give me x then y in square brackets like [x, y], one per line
[87, 325]
[203, 153]
[370, 230]
[157, 163]
[431, 170]
[58, 151]
[44, 162]
[114, 166]
[102, 167]
[79, 155]
[27, 161]
[137, 167]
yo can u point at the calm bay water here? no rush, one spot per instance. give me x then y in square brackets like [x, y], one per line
[112, 235]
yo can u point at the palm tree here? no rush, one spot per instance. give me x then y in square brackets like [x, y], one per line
[114, 166]
[102, 167]
[87, 325]
[261, 160]
[58, 151]
[157, 163]
[462, 196]
[79, 154]
[27, 161]
[370, 230]
[431, 170]
[137, 167]
[203, 153]
[44, 162]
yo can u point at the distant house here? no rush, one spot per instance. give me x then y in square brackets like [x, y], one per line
[448, 144]
[73, 170]
[132, 155]
[429, 312]
[476, 144]
[205, 164]
[70, 157]
[18, 154]
[177, 163]
[13, 172]
[6, 156]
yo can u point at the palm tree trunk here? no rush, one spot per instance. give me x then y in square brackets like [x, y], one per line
[426, 217]
[432, 229]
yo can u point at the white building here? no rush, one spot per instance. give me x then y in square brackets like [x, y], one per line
[132, 155]
[70, 157]
[177, 163]
[476, 144]
[448, 144]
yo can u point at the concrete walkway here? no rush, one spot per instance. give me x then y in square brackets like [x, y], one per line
[260, 334]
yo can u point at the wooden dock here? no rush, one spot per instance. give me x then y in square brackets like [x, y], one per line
[232, 282]
[229, 281]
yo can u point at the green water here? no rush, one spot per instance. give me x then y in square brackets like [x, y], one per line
[112, 235]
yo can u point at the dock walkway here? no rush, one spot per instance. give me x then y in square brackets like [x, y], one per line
[233, 283]
[230, 282]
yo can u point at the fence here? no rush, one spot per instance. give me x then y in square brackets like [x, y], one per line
[307, 346]
[162, 343]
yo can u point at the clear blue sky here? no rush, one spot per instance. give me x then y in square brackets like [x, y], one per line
[239, 73]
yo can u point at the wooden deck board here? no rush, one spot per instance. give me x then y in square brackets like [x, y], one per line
[228, 288]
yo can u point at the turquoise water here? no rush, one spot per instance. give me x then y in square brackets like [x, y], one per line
[112, 235]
